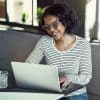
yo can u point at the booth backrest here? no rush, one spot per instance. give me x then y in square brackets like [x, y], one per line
[94, 86]
[16, 45]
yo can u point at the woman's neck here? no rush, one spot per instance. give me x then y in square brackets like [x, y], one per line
[65, 42]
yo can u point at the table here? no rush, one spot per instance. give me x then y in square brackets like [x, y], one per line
[28, 96]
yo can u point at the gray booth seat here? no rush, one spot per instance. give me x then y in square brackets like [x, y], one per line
[94, 86]
[15, 46]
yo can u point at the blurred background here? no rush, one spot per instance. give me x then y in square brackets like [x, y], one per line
[28, 12]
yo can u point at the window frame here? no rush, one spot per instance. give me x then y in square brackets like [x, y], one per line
[26, 27]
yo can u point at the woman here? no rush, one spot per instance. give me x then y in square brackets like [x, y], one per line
[61, 47]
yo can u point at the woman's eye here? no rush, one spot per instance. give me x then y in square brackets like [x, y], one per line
[55, 24]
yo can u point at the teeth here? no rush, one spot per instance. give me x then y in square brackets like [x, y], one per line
[54, 34]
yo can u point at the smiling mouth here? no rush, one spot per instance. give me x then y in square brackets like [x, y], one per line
[54, 34]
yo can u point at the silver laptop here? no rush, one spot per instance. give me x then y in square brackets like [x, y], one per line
[36, 76]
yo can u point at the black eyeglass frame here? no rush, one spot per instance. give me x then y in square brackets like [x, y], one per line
[52, 25]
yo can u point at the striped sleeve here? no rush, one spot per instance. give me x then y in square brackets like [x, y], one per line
[37, 53]
[85, 67]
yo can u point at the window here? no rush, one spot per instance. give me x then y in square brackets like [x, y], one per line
[98, 20]
[2, 10]
[92, 20]
[20, 11]
[23, 12]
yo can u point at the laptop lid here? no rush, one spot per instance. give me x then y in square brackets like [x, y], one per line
[36, 76]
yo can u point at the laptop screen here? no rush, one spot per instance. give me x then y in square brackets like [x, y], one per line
[36, 76]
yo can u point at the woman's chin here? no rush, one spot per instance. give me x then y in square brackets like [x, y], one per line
[56, 38]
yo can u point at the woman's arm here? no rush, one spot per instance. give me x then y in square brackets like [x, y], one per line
[85, 68]
[37, 53]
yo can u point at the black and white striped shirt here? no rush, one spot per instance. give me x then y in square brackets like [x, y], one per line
[75, 63]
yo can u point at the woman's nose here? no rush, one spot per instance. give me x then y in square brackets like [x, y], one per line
[51, 29]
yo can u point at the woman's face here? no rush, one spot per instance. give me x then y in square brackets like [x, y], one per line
[54, 27]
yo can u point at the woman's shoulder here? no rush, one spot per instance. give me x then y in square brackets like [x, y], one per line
[45, 38]
[82, 41]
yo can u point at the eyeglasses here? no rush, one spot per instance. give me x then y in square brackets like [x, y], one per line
[53, 25]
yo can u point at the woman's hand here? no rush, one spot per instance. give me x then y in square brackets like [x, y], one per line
[63, 81]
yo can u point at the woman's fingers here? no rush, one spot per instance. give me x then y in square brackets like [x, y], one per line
[63, 81]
